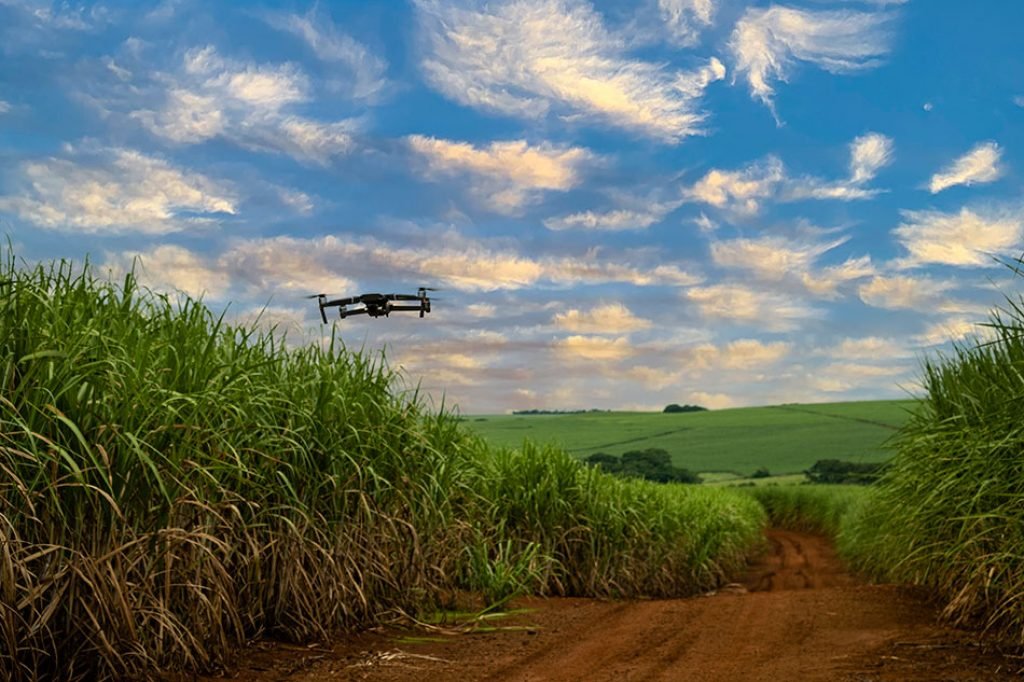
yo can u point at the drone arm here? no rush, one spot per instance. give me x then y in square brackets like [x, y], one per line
[349, 313]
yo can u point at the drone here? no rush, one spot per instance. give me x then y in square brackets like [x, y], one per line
[374, 305]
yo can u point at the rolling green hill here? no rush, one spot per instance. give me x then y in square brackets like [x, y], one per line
[783, 438]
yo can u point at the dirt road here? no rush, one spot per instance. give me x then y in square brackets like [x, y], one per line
[796, 615]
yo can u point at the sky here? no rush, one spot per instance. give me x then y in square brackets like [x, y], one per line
[623, 205]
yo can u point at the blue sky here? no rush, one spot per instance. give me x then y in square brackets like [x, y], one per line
[626, 204]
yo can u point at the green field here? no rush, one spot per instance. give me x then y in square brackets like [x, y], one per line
[785, 439]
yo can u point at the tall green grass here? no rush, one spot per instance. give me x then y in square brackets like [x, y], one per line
[816, 508]
[604, 535]
[172, 486]
[949, 513]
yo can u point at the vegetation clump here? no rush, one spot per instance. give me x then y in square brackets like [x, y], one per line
[652, 464]
[675, 408]
[174, 485]
[834, 471]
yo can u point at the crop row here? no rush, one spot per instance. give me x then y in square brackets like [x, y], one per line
[172, 486]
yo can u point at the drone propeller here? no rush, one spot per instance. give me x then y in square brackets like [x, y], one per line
[316, 296]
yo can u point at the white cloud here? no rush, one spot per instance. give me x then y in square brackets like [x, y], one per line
[301, 138]
[685, 18]
[62, 15]
[116, 191]
[967, 238]
[845, 376]
[270, 266]
[705, 224]
[652, 378]
[741, 191]
[450, 260]
[534, 57]
[868, 154]
[169, 268]
[744, 191]
[769, 310]
[365, 70]
[611, 318]
[767, 41]
[4, 107]
[747, 354]
[770, 258]
[266, 87]
[247, 103]
[614, 220]
[1019, 100]
[481, 310]
[299, 201]
[712, 401]
[922, 294]
[507, 175]
[979, 165]
[868, 348]
[955, 328]
[594, 348]
[825, 281]
[782, 260]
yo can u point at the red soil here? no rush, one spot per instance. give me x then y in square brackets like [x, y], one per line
[796, 615]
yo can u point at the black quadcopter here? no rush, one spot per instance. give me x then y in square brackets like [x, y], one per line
[374, 305]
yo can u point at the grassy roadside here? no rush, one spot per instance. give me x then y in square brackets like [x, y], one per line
[174, 485]
[949, 513]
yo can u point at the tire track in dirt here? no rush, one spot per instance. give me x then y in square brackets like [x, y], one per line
[796, 614]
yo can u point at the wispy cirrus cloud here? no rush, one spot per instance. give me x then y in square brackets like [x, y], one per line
[791, 262]
[685, 19]
[533, 58]
[115, 190]
[744, 191]
[966, 238]
[250, 104]
[505, 175]
[767, 42]
[902, 292]
[980, 165]
[869, 153]
[610, 221]
[956, 328]
[779, 259]
[366, 72]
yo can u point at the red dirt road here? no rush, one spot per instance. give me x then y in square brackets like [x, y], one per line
[796, 615]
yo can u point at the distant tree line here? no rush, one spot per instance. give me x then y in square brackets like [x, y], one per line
[838, 471]
[652, 464]
[683, 408]
[558, 411]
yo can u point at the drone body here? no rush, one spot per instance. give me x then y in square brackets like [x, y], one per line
[374, 305]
